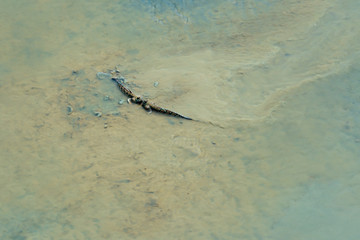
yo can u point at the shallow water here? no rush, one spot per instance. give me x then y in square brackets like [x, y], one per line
[274, 85]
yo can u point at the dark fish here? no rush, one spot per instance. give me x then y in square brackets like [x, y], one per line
[144, 103]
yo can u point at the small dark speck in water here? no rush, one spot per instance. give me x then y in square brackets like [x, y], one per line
[77, 72]
[69, 110]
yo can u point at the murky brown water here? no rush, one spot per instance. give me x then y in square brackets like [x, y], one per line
[275, 87]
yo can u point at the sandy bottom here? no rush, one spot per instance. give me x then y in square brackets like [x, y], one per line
[274, 87]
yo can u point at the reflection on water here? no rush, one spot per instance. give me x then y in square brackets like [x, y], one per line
[280, 77]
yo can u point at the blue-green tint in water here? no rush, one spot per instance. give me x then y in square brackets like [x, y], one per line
[274, 85]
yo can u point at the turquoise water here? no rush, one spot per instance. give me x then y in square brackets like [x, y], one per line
[274, 85]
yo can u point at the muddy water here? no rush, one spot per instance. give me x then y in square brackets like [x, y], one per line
[274, 86]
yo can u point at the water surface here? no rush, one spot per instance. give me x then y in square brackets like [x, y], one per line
[275, 86]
